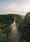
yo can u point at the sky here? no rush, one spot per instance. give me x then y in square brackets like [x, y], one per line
[20, 7]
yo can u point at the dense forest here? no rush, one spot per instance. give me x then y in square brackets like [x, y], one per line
[23, 25]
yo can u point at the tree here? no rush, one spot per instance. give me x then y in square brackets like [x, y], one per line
[26, 28]
[27, 19]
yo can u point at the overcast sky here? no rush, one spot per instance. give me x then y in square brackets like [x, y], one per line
[14, 6]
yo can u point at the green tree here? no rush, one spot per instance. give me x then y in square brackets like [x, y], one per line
[27, 19]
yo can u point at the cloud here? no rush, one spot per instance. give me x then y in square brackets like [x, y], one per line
[14, 8]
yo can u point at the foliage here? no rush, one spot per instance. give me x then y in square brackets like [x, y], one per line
[27, 19]
[3, 36]
[26, 28]
[5, 21]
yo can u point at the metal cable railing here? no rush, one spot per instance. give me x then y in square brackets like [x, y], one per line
[25, 25]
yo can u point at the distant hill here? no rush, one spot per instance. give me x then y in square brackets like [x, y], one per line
[8, 18]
